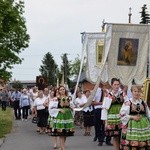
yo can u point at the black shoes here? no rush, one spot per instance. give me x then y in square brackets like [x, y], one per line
[109, 144]
[95, 139]
[100, 143]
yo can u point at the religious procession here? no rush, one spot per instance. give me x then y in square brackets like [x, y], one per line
[116, 108]
[108, 107]
[118, 115]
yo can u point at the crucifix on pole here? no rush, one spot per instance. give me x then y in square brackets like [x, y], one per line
[130, 14]
[103, 25]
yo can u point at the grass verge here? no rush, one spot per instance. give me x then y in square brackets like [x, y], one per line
[6, 121]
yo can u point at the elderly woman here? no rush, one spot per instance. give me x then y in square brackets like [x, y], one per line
[135, 117]
[34, 95]
[25, 104]
[40, 112]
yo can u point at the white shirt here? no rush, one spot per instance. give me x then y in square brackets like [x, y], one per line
[39, 103]
[97, 97]
[84, 100]
[34, 95]
[106, 105]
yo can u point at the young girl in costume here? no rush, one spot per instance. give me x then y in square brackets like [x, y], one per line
[110, 112]
[135, 116]
[62, 123]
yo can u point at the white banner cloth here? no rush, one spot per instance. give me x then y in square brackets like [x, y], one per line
[128, 53]
[94, 68]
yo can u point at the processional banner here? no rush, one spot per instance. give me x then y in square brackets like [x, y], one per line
[125, 55]
[95, 54]
[128, 53]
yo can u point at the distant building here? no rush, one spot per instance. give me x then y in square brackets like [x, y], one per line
[25, 83]
[83, 82]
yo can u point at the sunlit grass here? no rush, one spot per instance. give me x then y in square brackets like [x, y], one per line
[6, 121]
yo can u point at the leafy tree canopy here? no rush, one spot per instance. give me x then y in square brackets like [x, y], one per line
[17, 85]
[75, 67]
[13, 35]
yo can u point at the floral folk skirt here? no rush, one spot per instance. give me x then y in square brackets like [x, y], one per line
[114, 124]
[136, 135]
[63, 124]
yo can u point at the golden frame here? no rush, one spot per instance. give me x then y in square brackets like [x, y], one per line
[146, 91]
[99, 51]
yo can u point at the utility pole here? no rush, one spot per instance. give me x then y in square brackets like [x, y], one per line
[130, 14]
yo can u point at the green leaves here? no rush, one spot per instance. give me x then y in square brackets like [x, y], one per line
[13, 34]
[17, 85]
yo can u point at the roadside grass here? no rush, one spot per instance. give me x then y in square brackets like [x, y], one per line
[6, 121]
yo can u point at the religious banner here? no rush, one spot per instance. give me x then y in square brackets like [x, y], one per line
[125, 55]
[128, 53]
[94, 54]
[41, 82]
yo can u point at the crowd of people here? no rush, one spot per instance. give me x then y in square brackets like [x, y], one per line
[118, 115]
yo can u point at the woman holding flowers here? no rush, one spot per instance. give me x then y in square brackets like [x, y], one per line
[62, 122]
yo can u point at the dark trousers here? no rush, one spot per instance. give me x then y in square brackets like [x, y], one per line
[99, 125]
[17, 110]
[108, 139]
[4, 105]
[25, 112]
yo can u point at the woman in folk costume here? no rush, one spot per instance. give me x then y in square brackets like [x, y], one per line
[51, 99]
[110, 112]
[62, 123]
[135, 116]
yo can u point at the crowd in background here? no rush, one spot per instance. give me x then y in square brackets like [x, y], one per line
[118, 115]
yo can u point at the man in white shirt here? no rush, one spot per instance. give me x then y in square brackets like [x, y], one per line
[98, 123]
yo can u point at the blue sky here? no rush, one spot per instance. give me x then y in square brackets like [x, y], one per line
[55, 26]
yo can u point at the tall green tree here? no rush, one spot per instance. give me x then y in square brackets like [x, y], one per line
[65, 68]
[75, 67]
[49, 69]
[145, 17]
[13, 35]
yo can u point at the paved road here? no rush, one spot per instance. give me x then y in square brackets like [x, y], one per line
[24, 137]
